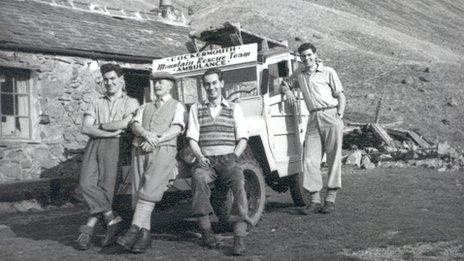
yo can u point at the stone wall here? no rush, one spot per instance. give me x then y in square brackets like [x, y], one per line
[61, 90]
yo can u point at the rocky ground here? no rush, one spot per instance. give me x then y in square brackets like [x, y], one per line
[382, 214]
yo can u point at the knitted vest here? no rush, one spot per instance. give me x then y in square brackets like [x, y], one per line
[159, 120]
[219, 133]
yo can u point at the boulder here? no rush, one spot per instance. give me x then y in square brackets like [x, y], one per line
[443, 148]
[423, 79]
[389, 149]
[366, 162]
[6, 232]
[385, 157]
[354, 158]
[318, 35]
[371, 150]
[451, 102]
[409, 80]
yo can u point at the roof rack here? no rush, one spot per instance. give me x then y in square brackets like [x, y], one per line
[231, 34]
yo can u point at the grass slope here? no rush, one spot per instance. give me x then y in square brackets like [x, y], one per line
[374, 45]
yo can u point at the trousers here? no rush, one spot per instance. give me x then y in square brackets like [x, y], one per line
[324, 134]
[152, 172]
[98, 173]
[226, 170]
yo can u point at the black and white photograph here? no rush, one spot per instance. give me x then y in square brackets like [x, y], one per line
[231, 130]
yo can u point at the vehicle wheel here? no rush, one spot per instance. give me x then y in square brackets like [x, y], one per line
[255, 189]
[300, 195]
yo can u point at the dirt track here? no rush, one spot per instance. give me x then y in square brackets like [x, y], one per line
[383, 214]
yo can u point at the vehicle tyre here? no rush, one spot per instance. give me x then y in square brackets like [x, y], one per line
[255, 188]
[299, 194]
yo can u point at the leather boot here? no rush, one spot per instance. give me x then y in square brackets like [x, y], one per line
[328, 207]
[239, 246]
[85, 236]
[209, 240]
[127, 240]
[143, 242]
[112, 230]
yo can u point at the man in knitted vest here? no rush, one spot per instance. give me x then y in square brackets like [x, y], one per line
[218, 136]
[156, 126]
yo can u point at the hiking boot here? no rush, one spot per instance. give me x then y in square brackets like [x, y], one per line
[127, 240]
[112, 231]
[311, 209]
[239, 246]
[84, 238]
[143, 242]
[328, 207]
[209, 240]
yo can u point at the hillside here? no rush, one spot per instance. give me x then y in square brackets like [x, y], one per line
[409, 53]
[374, 45]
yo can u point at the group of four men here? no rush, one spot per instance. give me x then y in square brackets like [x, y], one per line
[217, 136]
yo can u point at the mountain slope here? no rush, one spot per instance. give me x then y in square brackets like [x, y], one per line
[409, 53]
[375, 46]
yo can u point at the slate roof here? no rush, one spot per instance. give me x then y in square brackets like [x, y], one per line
[31, 25]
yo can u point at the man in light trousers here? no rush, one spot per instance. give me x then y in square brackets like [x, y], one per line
[325, 100]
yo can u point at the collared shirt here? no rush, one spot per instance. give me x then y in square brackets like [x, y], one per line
[320, 88]
[105, 109]
[193, 131]
[179, 114]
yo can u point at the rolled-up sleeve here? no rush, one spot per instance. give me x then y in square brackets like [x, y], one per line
[335, 83]
[131, 109]
[138, 114]
[180, 116]
[241, 130]
[91, 110]
[193, 129]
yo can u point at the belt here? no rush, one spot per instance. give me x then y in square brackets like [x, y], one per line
[323, 109]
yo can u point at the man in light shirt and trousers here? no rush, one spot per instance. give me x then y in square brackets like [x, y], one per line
[104, 122]
[325, 100]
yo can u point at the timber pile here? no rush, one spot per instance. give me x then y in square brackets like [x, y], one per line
[372, 145]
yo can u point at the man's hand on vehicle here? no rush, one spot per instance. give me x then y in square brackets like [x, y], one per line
[291, 99]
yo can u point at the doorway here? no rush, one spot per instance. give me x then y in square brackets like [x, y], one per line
[136, 82]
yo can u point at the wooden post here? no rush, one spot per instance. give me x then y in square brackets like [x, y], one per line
[377, 111]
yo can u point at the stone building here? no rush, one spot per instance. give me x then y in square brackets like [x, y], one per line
[50, 53]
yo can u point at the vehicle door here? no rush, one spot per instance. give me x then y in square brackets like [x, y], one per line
[284, 122]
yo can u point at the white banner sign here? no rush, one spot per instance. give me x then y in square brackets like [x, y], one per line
[207, 59]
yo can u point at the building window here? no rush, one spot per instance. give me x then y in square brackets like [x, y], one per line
[15, 104]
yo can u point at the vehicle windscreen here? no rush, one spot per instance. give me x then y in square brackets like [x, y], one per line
[238, 83]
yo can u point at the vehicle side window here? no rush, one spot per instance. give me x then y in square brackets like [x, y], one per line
[189, 89]
[240, 83]
[277, 72]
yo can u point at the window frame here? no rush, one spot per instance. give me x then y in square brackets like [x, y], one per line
[201, 94]
[16, 73]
